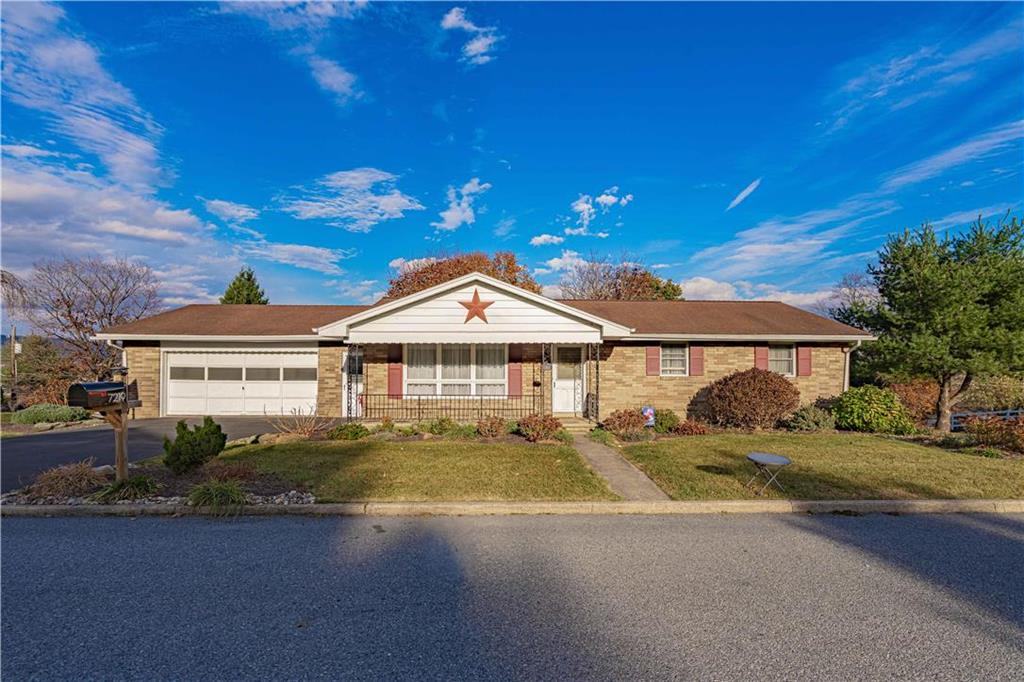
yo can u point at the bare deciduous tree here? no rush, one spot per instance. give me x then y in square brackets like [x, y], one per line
[72, 299]
[601, 278]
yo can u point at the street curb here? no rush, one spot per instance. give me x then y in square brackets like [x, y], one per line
[853, 507]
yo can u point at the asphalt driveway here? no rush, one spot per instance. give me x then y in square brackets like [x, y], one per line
[509, 598]
[23, 457]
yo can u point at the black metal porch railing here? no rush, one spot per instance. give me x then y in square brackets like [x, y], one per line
[411, 408]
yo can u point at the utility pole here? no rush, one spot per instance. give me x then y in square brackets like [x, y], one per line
[14, 365]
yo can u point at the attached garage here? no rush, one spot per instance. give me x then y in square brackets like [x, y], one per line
[239, 383]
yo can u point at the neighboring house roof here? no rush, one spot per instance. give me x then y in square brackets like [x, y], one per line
[717, 318]
[236, 320]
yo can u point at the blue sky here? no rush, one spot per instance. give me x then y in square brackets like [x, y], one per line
[747, 150]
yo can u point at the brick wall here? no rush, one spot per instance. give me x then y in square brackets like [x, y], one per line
[625, 384]
[328, 376]
[143, 360]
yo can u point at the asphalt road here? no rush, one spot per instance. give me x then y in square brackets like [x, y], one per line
[497, 598]
[22, 457]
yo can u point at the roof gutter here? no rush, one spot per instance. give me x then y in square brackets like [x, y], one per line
[247, 338]
[820, 338]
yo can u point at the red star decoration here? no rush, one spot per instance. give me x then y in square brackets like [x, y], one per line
[475, 308]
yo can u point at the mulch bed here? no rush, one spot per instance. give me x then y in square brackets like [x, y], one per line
[172, 485]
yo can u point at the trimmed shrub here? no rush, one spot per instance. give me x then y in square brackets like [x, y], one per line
[69, 480]
[535, 427]
[193, 448]
[462, 432]
[872, 409]
[689, 427]
[919, 397]
[348, 431]
[48, 412]
[131, 488]
[811, 418]
[626, 424]
[665, 421]
[751, 399]
[217, 496]
[492, 427]
[440, 426]
[996, 432]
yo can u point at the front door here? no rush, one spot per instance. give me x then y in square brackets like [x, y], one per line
[567, 390]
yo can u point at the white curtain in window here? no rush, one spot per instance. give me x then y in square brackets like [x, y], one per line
[421, 362]
[780, 359]
[673, 360]
[455, 362]
[490, 362]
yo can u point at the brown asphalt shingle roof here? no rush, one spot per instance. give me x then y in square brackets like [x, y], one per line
[645, 317]
[242, 320]
[714, 317]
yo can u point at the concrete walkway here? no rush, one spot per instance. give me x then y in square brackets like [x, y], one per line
[622, 477]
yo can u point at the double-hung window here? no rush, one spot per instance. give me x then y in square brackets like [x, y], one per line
[782, 359]
[456, 369]
[673, 360]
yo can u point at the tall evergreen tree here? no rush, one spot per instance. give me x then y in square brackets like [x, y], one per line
[949, 308]
[244, 289]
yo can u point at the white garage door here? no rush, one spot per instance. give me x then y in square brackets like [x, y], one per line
[201, 383]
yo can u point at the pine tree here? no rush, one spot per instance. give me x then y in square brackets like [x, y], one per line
[244, 289]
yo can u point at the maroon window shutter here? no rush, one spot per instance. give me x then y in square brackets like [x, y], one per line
[761, 357]
[653, 361]
[696, 361]
[515, 371]
[395, 370]
[803, 361]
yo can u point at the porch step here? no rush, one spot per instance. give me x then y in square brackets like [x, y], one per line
[576, 425]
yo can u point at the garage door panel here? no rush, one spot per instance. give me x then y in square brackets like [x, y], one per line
[229, 388]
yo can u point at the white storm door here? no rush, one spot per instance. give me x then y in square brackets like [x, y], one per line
[567, 380]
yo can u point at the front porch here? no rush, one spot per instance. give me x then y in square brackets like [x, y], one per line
[466, 382]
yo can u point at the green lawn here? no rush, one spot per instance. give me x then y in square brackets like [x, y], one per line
[339, 471]
[825, 466]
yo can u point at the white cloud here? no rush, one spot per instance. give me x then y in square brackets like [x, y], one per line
[551, 290]
[708, 289]
[460, 205]
[334, 78]
[364, 291]
[306, 24]
[747, 191]
[921, 68]
[584, 209]
[230, 211]
[25, 151]
[542, 239]
[477, 50]
[962, 218]
[1000, 139]
[49, 69]
[316, 258]
[504, 227]
[183, 284]
[354, 200]
[407, 265]
[567, 260]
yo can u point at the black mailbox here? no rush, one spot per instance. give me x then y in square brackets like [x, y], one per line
[100, 394]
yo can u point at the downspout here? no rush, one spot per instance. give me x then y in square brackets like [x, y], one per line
[124, 353]
[847, 358]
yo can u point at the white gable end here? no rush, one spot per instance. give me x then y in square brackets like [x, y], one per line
[443, 319]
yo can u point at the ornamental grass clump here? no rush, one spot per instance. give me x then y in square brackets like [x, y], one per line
[69, 480]
[751, 399]
[217, 496]
[49, 413]
[811, 418]
[192, 448]
[872, 409]
[348, 431]
[665, 421]
[131, 488]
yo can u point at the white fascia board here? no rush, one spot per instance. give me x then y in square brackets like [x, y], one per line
[609, 329]
[821, 338]
[208, 337]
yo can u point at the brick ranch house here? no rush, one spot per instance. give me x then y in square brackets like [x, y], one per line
[471, 347]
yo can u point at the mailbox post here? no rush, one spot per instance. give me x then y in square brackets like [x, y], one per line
[112, 399]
